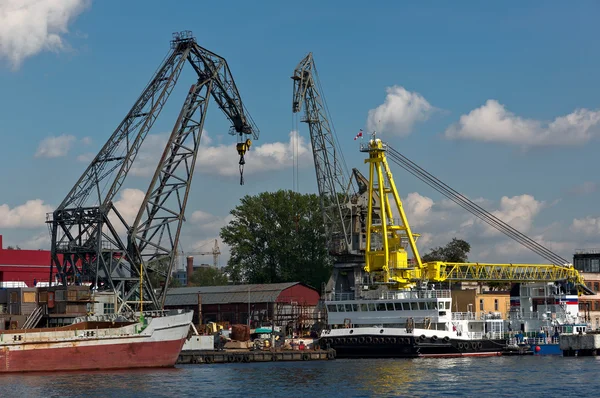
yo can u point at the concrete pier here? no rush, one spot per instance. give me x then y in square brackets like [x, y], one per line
[580, 344]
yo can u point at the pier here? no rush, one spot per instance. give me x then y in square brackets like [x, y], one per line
[243, 356]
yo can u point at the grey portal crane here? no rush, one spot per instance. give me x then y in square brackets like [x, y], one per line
[91, 241]
[332, 180]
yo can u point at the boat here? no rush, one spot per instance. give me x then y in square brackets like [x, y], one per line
[540, 313]
[97, 343]
[407, 324]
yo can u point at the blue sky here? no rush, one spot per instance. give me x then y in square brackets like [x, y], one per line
[497, 100]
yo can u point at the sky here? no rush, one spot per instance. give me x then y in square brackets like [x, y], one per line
[498, 100]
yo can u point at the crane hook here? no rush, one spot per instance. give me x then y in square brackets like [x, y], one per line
[242, 147]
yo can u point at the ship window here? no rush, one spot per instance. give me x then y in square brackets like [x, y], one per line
[414, 306]
[109, 308]
[341, 308]
[595, 265]
[13, 297]
[348, 307]
[364, 307]
[29, 297]
[331, 308]
[422, 305]
[371, 307]
[380, 306]
[354, 307]
[390, 306]
[480, 304]
[496, 305]
[398, 306]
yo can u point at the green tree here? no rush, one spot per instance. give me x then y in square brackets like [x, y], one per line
[157, 273]
[454, 252]
[208, 276]
[277, 237]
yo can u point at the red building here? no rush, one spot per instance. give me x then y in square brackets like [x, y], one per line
[23, 265]
[282, 304]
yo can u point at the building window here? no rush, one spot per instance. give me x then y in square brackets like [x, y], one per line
[496, 306]
[596, 286]
[109, 308]
[480, 304]
[596, 305]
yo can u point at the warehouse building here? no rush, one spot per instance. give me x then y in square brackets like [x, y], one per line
[292, 306]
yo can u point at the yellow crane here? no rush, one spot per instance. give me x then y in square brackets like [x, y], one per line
[389, 234]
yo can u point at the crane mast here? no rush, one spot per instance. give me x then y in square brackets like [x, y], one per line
[332, 182]
[91, 241]
[389, 237]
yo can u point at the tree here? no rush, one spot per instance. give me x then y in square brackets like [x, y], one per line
[454, 252]
[208, 276]
[277, 237]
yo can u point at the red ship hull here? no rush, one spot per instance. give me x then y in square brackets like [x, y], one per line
[115, 356]
[97, 345]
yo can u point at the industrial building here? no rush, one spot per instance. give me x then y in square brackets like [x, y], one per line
[481, 303]
[587, 262]
[23, 267]
[292, 306]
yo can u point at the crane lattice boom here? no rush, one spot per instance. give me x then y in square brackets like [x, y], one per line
[388, 237]
[87, 229]
[332, 181]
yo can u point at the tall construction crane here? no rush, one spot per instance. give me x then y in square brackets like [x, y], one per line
[215, 252]
[386, 258]
[91, 241]
[333, 183]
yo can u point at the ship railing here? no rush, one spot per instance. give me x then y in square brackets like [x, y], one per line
[464, 316]
[417, 294]
[340, 296]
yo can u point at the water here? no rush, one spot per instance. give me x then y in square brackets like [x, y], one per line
[486, 377]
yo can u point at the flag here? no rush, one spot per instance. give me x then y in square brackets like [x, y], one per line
[359, 135]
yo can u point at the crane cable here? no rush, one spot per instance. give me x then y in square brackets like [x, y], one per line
[473, 208]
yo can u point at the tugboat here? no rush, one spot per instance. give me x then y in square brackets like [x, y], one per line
[391, 307]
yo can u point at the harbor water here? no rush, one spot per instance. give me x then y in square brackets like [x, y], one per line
[490, 377]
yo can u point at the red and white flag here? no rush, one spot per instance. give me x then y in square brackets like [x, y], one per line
[359, 135]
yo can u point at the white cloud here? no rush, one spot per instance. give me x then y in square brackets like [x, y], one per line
[493, 123]
[588, 226]
[518, 212]
[32, 214]
[55, 147]
[221, 159]
[400, 111]
[439, 221]
[128, 205]
[28, 27]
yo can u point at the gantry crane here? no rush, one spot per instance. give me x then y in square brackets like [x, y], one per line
[388, 237]
[91, 241]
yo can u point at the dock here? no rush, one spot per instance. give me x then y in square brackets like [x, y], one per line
[244, 356]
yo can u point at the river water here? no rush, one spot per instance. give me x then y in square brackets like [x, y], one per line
[488, 377]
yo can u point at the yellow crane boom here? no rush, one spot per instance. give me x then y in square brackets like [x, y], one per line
[389, 235]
